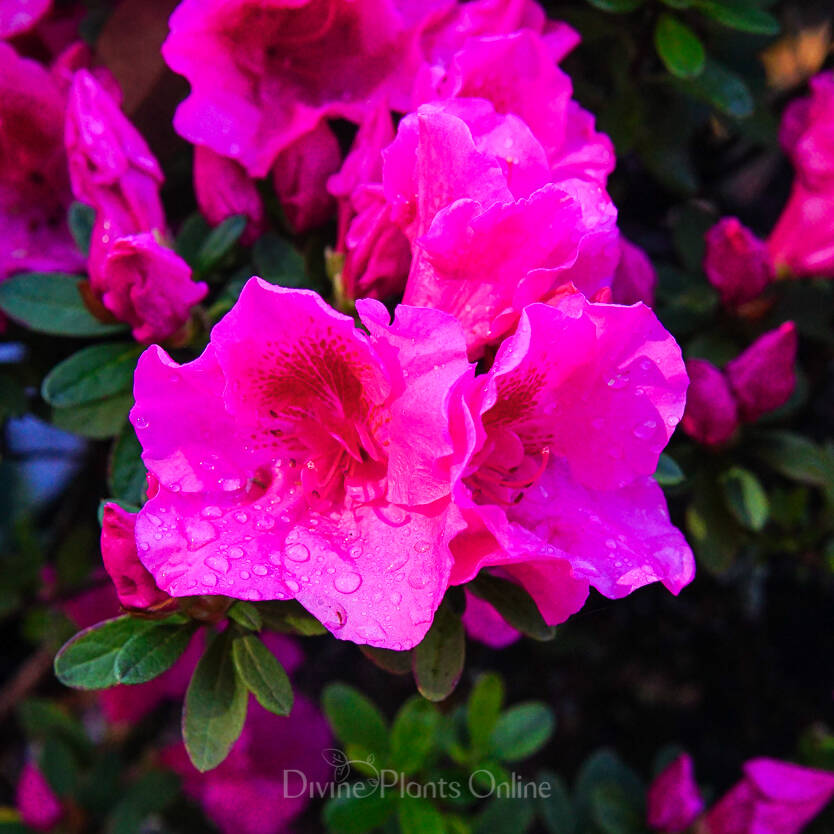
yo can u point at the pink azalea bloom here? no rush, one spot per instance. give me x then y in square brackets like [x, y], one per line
[134, 585]
[264, 73]
[635, 278]
[763, 378]
[737, 263]
[773, 798]
[39, 807]
[34, 188]
[556, 514]
[295, 462]
[18, 16]
[223, 189]
[146, 285]
[711, 414]
[674, 801]
[802, 242]
[491, 232]
[263, 783]
[484, 624]
[807, 134]
[111, 167]
[300, 176]
[376, 252]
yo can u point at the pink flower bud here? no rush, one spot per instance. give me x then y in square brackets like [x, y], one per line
[135, 586]
[674, 801]
[762, 378]
[39, 807]
[737, 263]
[223, 188]
[711, 416]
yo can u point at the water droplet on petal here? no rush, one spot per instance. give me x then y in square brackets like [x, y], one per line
[292, 585]
[260, 570]
[418, 579]
[211, 512]
[644, 431]
[422, 547]
[209, 579]
[236, 552]
[347, 583]
[244, 574]
[218, 563]
[241, 518]
[298, 552]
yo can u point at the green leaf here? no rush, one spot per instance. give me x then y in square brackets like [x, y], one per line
[278, 262]
[126, 474]
[604, 767]
[49, 302]
[397, 663]
[80, 219]
[679, 47]
[191, 236]
[263, 675]
[355, 719]
[513, 603]
[556, 809]
[690, 222]
[483, 709]
[42, 718]
[668, 472]
[740, 14]
[438, 658]
[521, 731]
[357, 814]
[615, 811]
[722, 89]
[418, 816]
[219, 243]
[617, 6]
[148, 654]
[215, 706]
[88, 660]
[59, 765]
[13, 400]
[712, 531]
[99, 419]
[745, 498]
[150, 794]
[289, 616]
[413, 734]
[245, 614]
[505, 815]
[94, 373]
[796, 457]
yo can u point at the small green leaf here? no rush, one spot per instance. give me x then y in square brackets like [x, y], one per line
[219, 243]
[191, 236]
[148, 654]
[288, 616]
[555, 809]
[413, 734]
[722, 89]
[149, 794]
[355, 719]
[59, 765]
[80, 219]
[358, 814]
[99, 419]
[245, 614]
[88, 660]
[521, 731]
[418, 816]
[745, 498]
[668, 472]
[439, 657]
[263, 675]
[49, 302]
[615, 812]
[740, 14]
[126, 474]
[679, 47]
[278, 262]
[513, 603]
[796, 457]
[94, 373]
[215, 706]
[397, 663]
[617, 6]
[504, 815]
[483, 709]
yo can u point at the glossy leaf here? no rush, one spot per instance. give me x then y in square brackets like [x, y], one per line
[439, 657]
[94, 373]
[679, 47]
[746, 498]
[483, 709]
[514, 604]
[413, 734]
[355, 719]
[740, 14]
[149, 653]
[263, 675]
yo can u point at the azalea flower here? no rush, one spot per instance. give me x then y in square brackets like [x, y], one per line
[300, 458]
[18, 16]
[40, 808]
[736, 263]
[711, 415]
[674, 801]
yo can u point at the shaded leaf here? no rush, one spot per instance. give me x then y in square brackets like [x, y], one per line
[149, 653]
[438, 658]
[513, 603]
[521, 731]
[413, 734]
[679, 47]
[355, 719]
[483, 709]
[263, 675]
[94, 373]
[745, 498]
[418, 816]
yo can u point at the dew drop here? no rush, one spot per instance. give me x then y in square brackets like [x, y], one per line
[422, 547]
[244, 574]
[209, 579]
[241, 518]
[298, 552]
[141, 423]
[211, 512]
[260, 570]
[218, 563]
[644, 431]
[347, 583]
[236, 552]
[418, 579]
[292, 585]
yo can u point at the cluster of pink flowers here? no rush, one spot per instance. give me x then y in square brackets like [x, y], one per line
[502, 420]
[772, 797]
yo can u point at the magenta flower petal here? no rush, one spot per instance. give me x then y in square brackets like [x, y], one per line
[763, 377]
[711, 414]
[134, 585]
[484, 624]
[674, 801]
[39, 807]
[802, 242]
[635, 279]
[18, 16]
